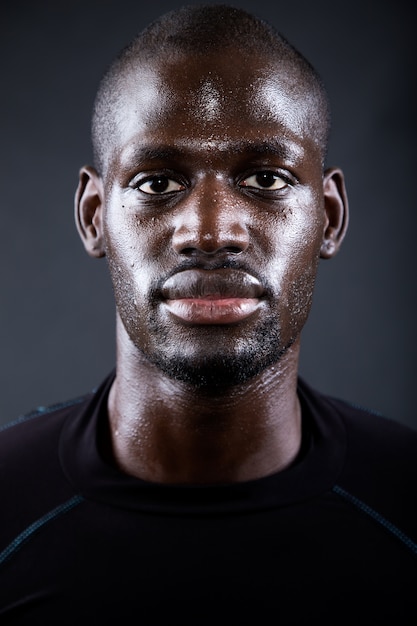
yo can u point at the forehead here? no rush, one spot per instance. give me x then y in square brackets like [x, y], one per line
[213, 100]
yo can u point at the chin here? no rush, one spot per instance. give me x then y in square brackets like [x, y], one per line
[221, 366]
[217, 374]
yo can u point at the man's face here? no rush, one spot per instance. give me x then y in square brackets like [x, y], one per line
[213, 215]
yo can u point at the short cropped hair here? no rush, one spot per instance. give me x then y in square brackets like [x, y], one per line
[200, 30]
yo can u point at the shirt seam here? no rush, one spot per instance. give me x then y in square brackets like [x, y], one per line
[377, 517]
[42, 410]
[33, 528]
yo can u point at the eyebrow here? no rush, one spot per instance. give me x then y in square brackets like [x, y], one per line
[282, 149]
[162, 152]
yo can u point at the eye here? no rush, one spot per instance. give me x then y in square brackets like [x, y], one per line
[264, 180]
[159, 185]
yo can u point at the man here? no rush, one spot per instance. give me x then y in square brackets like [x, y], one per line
[203, 482]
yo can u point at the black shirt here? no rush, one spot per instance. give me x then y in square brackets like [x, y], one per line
[332, 539]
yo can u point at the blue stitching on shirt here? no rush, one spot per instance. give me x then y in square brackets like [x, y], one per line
[42, 410]
[377, 517]
[33, 528]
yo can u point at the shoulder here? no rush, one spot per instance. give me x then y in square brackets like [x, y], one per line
[377, 439]
[376, 445]
[31, 478]
[369, 434]
[33, 488]
[35, 430]
[379, 471]
[381, 456]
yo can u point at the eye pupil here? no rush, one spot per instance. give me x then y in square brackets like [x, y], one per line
[159, 184]
[265, 179]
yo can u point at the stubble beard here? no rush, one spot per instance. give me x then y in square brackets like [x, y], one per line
[234, 354]
[216, 357]
[228, 361]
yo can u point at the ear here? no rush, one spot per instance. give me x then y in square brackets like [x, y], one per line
[337, 212]
[89, 211]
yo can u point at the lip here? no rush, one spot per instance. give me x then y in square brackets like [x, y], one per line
[223, 296]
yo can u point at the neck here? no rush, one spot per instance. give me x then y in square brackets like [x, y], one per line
[164, 430]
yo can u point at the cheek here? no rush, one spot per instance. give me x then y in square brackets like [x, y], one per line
[129, 242]
[302, 279]
[135, 250]
[121, 247]
[296, 241]
[294, 257]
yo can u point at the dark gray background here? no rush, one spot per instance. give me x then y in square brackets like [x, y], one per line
[57, 313]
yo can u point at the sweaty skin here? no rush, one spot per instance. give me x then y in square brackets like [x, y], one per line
[213, 211]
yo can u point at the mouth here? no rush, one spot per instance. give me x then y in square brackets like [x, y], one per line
[222, 296]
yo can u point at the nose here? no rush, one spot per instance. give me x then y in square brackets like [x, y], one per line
[211, 220]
